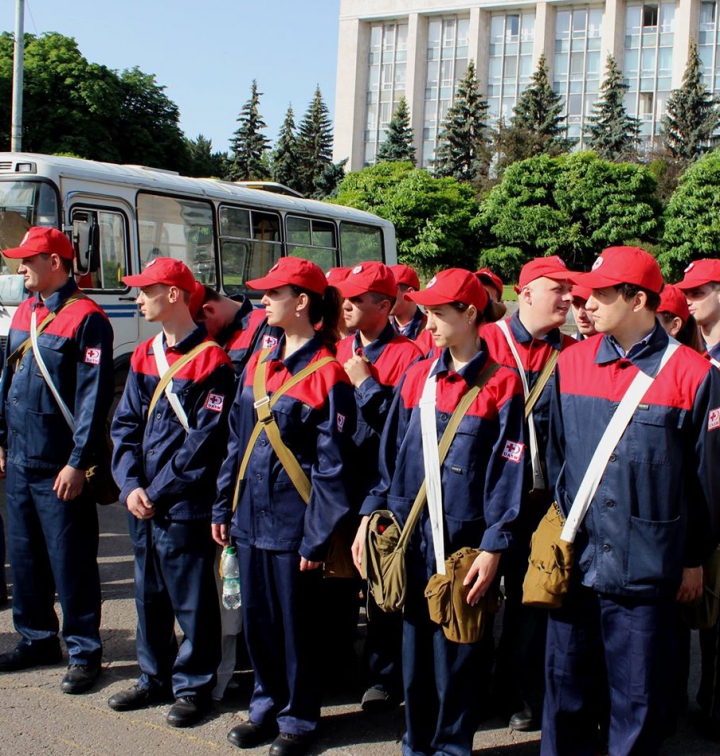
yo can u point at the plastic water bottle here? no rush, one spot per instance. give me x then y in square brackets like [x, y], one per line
[230, 572]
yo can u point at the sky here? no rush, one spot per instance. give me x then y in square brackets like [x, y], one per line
[205, 52]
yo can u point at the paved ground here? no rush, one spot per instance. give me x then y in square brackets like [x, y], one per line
[37, 719]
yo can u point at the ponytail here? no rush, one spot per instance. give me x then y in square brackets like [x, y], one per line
[325, 311]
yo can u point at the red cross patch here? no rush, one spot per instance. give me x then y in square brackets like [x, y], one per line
[214, 402]
[269, 342]
[92, 355]
[513, 451]
[714, 419]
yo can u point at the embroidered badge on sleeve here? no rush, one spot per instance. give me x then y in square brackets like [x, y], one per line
[269, 342]
[214, 402]
[513, 451]
[340, 422]
[92, 355]
[714, 419]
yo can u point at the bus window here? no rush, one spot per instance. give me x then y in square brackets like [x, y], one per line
[179, 228]
[250, 244]
[112, 262]
[312, 240]
[360, 243]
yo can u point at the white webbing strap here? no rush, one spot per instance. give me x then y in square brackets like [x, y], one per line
[163, 367]
[538, 479]
[610, 439]
[431, 460]
[715, 362]
[69, 419]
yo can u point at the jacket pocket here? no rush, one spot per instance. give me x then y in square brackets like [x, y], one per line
[654, 551]
[654, 435]
[48, 438]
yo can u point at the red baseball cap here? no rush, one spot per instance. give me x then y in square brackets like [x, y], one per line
[452, 285]
[292, 271]
[406, 275]
[335, 275]
[543, 267]
[581, 292]
[369, 276]
[164, 270]
[623, 265]
[699, 273]
[41, 240]
[486, 276]
[673, 300]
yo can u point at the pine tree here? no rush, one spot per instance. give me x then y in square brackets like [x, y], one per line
[315, 142]
[539, 112]
[692, 115]
[398, 144]
[204, 163]
[612, 133]
[248, 144]
[285, 158]
[463, 145]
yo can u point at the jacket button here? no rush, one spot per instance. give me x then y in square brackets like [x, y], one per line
[443, 417]
[14, 401]
[151, 452]
[158, 415]
[613, 457]
[263, 442]
[258, 476]
[610, 503]
[21, 368]
[606, 547]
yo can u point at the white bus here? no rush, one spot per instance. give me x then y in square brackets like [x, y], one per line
[122, 216]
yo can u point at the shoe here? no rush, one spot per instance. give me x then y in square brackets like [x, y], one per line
[524, 720]
[252, 734]
[288, 744]
[138, 697]
[24, 657]
[80, 678]
[4, 599]
[187, 711]
[377, 699]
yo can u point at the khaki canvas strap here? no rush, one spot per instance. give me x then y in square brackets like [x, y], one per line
[445, 442]
[25, 347]
[174, 369]
[541, 382]
[266, 422]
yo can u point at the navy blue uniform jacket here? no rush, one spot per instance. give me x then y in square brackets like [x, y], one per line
[483, 472]
[316, 419]
[77, 348]
[652, 511]
[178, 470]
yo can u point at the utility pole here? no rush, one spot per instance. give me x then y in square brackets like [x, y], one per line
[18, 61]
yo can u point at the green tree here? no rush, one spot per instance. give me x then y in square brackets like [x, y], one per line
[249, 145]
[398, 144]
[431, 215]
[327, 184]
[204, 163]
[572, 205]
[285, 156]
[315, 143]
[692, 217]
[611, 132]
[463, 150]
[691, 115]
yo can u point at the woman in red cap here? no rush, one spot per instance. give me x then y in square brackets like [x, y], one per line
[674, 316]
[282, 492]
[480, 489]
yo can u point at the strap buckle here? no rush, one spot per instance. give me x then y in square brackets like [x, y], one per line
[262, 406]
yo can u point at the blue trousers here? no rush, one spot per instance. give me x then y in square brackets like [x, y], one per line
[630, 640]
[441, 679]
[53, 544]
[3, 577]
[280, 616]
[174, 579]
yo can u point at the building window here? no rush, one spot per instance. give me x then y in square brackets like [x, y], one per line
[648, 59]
[447, 60]
[709, 45]
[387, 72]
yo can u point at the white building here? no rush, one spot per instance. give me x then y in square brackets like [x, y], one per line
[420, 49]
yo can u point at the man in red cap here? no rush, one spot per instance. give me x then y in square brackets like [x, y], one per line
[45, 450]
[583, 321]
[529, 342]
[166, 460]
[406, 317]
[701, 286]
[375, 358]
[648, 526]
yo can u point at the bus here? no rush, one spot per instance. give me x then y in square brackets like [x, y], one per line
[120, 217]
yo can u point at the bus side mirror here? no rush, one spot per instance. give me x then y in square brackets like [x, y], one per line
[86, 242]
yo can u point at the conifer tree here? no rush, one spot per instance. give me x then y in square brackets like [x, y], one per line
[692, 115]
[398, 144]
[315, 142]
[463, 144]
[249, 145]
[611, 132]
[285, 158]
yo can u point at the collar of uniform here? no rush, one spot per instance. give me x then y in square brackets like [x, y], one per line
[375, 348]
[713, 351]
[189, 342]
[409, 327]
[468, 372]
[522, 335]
[298, 359]
[646, 354]
[236, 324]
[55, 300]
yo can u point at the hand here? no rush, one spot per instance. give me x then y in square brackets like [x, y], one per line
[306, 565]
[691, 587]
[220, 534]
[140, 505]
[69, 483]
[483, 571]
[358, 547]
[357, 370]
[3, 462]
